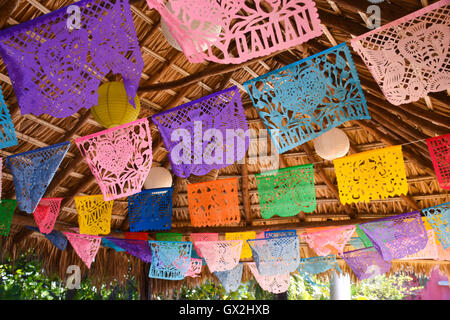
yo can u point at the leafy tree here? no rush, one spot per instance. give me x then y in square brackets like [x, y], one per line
[25, 279]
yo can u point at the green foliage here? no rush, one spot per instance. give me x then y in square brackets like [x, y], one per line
[211, 291]
[26, 280]
[301, 289]
[382, 287]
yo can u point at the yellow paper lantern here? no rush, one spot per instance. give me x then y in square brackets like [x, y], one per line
[113, 108]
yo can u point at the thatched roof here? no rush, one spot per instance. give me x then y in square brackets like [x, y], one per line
[390, 125]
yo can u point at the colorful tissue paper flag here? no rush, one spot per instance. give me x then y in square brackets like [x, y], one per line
[138, 248]
[275, 284]
[230, 279]
[7, 130]
[439, 148]
[439, 218]
[408, 57]
[244, 236]
[279, 233]
[86, 246]
[195, 268]
[371, 175]
[316, 265]
[57, 70]
[300, 101]
[94, 214]
[214, 203]
[120, 158]
[110, 244]
[429, 252]
[220, 255]
[363, 237]
[397, 236]
[286, 192]
[150, 209]
[7, 207]
[330, 240]
[33, 171]
[169, 236]
[366, 263]
[46, 214]
[57, 238]
[276, 255]
[205, 134]
[212, 29]
[170, 259]
[202, 237]
[136, 235]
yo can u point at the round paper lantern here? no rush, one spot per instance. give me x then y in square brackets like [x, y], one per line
[332, 144]
[208, 29]
[113, 108]
[158, 177]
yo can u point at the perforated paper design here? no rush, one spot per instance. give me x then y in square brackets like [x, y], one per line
[86, 246]
[138, 248]
[7, 130]
[110, 244]
[276, 284]
[205, 134]
[329, 241]
[275, 255]
[202, 237]
[214, 203]
[33, 171]
[230, 279]
[356, 243]
[244, 236]
[439, 218]
[371, 175]
[439, 148]
[443, 254]
[220, 255]
[170, 259]
[7, 208]
[57, 71]
[316, 265]
[58, 239]
[120, 158]
[409, 57]
[363, 237]
[299, 102]
[150, 210]
[194, 24]
[286, 192]
[366, 263]
[398, 236]
[279, 233]
[195, 268]
[136, 235]
[429, 252]
[46, 214]
[94, 214]
[169, 236]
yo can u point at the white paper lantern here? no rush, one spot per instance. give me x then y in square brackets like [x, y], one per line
[208, 29]
[332, 144]
[158, 177]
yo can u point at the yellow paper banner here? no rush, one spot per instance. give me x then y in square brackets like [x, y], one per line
[94, 214]
[244, 236]
[371, 175]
